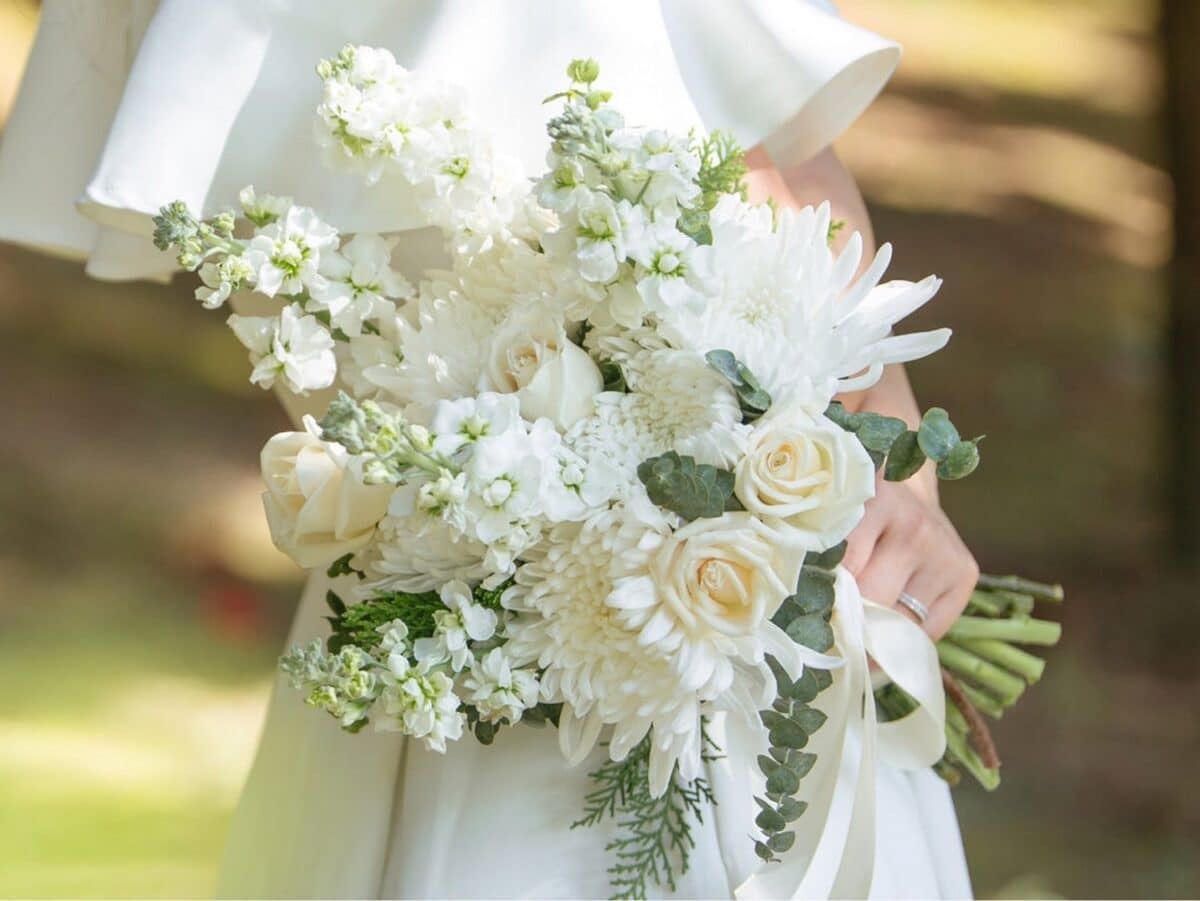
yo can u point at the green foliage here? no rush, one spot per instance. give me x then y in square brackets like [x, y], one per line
[901, 451]
[490, 597]
[358, 624]
[752, 396]
[792, 720]
[614, 377]
[835, 226]
[691, 489]
[722, 171]
[655, 841]
[341, 567]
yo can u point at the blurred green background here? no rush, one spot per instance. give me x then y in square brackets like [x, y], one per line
[1019, 153]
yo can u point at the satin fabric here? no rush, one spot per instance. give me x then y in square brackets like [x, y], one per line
[129, 104]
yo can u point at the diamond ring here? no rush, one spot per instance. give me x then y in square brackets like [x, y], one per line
[919, 610]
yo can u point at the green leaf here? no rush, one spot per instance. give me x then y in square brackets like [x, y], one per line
[335, 603]
[752, 397]
[810, 719]
[802, 764]
[804, 689]
[824, 678]
[770, 822]
[962, 460]
[781, 841]
[812, 632]
[788, 734]
[877, 432]
[937, 434]
[763, 852]
[905, 458]
[783, 782]
[792, 809]
[341, 567]
[814, 592]
[485, 732]
[828, 559]
[614, 377]
[840, 416]
[693, 490]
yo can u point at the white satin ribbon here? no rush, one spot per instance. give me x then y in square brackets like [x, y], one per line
[834, 852]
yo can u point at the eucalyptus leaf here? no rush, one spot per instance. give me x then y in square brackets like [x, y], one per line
[781, 841]
[752, 396]
[804, 689]
[791, 809]
[770, 821]
[962, 460]
[905, 458]
[810, 719]
[814, 592]
[877, 433]
[783, 782]
[788, 734]
[693, 490]
[827, 559]
[937, 435]
[812, 632]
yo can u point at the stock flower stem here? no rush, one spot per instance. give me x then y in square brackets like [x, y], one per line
[961, 752]
[1021, 629]
[1024, 664]
[982, 701]
[1001, 683]
[1038, 590]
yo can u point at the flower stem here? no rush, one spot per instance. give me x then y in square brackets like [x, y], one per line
[961, 752]
[1021, 629]
[982, 701]
[1024, 664]
[1038, 590]
[1004, 685]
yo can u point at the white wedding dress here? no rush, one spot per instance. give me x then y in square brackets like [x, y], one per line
[129, 104]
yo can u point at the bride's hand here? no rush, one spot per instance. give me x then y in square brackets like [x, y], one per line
[906, 543]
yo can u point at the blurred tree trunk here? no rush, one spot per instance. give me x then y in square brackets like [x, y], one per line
[1181, 41]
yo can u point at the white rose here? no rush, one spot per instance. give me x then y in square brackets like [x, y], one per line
[316, 509]
[551, 375]
[808, 472]
[728, 574]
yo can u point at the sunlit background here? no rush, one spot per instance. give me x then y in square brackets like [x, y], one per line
[1019, 153]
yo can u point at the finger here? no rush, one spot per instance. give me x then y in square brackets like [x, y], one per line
[953, 600]
[928, 584]
[862, 541]
[889, 569]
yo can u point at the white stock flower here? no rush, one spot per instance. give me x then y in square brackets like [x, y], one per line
[264, 209]
[663, 171]
[674, 272]
[592, 662]
[705, 594]
[419, 704]
[468, 420]
[318, 509]
[463, 620]
[793, 312]
[553, 377]
[808, 472]
[498, 691]
[369, 364]
[285, 255]
[360, 283]
[222, 279]
[292, 345]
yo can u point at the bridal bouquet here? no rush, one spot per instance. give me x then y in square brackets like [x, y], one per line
[590, 471]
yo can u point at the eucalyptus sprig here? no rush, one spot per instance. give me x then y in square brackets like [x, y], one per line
[902, 451]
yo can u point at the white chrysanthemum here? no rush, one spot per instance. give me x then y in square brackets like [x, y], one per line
[790, 310]
[370, 364]
[444, 350]
[420, 552]
[592, 662]
[676, 402]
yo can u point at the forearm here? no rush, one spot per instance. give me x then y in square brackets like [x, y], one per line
[824, 178]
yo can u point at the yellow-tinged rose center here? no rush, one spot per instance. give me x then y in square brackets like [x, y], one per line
[727, 583]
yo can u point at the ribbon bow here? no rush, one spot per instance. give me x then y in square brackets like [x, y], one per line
[834, 853]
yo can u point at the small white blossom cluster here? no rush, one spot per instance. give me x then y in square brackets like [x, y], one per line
[608, 418]
[378, 119]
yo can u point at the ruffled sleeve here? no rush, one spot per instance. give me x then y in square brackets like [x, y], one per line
[790, 74]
